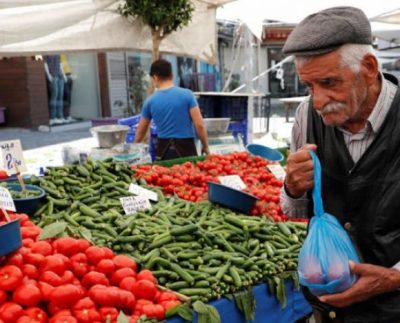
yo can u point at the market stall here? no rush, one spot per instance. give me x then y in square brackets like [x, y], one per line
[200, 258]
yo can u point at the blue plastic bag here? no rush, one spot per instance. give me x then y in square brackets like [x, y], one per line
[325, 254]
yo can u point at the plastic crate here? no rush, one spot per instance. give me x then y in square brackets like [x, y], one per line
[10, 237]
[130, 138]
[104, 121]
[131, 121]
[207, 105]
[239, 128]
[234, 108]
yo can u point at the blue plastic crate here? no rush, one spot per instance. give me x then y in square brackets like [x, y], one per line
[207, 105]
[131, 121]
[231, 198]
[10, 237]
[239, 128]
[234, 108]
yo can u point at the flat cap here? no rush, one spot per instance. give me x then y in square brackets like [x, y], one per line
[326, 30]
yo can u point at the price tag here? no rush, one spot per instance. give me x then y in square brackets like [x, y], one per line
[11, 155]
[6, 201]
[232, 181]
[132, 204]
[278, 171]
[140, 191]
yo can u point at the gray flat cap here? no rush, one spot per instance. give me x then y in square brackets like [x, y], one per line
[326, 30]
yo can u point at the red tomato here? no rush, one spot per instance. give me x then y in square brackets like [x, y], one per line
[42, 247]
[27, 295]
[122, 261]
[105, 266]
[144, 289]
[146, 275]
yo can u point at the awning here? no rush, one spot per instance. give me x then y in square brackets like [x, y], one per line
[31, 27]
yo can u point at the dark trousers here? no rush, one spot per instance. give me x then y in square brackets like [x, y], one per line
[172, 148]
[67, 96]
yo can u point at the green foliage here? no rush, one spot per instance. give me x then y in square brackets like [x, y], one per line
[164, 16]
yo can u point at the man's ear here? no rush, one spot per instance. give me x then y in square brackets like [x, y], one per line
[370, 68]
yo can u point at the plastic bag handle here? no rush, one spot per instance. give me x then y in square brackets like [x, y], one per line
[316, 192]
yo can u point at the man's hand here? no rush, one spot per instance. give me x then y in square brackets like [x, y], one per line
[299, 171]
[372, 280]
[205, 150]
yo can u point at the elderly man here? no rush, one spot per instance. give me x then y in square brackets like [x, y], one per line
[352, 121]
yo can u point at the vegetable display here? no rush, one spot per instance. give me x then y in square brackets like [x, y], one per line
[198, 249]
[70, 280]
[189, 180]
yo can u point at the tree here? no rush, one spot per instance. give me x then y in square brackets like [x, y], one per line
[162, 16]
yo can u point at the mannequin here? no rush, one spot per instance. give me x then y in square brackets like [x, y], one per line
[56, 78]
[67, 88]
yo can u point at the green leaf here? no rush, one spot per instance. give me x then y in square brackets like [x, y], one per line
[246, 303]
[85, 234]
[172, 311]
[185, 312]
[52, 230]
[122, 318]
[206, 313]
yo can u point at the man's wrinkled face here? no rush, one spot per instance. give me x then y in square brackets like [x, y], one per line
[337, 92]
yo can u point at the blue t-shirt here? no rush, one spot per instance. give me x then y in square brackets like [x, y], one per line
[170, 110]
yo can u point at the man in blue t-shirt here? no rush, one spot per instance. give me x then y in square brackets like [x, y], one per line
[175, 112]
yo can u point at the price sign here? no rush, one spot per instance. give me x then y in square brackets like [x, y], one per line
[11, 155]
[140, 191]
[232, 181]
[132, 204]
[278, 171]
[6, 201]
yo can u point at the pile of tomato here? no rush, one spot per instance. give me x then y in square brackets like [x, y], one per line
[68, 280]
[189, 180]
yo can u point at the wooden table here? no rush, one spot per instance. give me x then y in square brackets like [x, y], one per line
[289, 103]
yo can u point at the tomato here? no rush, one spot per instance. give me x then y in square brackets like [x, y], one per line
[30, 271]
[83, 245]
[10, 312]
[154, 311]
[42, 247]
[79, 264]
[146, 275]
[108, 253]
[51, 278]
[127, 283]
[166, 296]
[3, 297]
[120, 274]
[85, 311]
[46, 290]
[169, 305]
[144, 289]
[66, 246]
[15, 259]
[37, 314]
[105, 266]
[63, 319]
[65, 295]
[10, 277]
[27, 295]
[34, 259]
[122, 261]
[94, 255]
[53, 263]
[94, 278]
[108, 313]
[30, 232]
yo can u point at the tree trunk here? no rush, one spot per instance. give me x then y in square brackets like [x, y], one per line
[156, 41]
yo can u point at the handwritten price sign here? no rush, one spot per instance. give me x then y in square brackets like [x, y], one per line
[132, 204]
[11, 155]
[6, 201]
